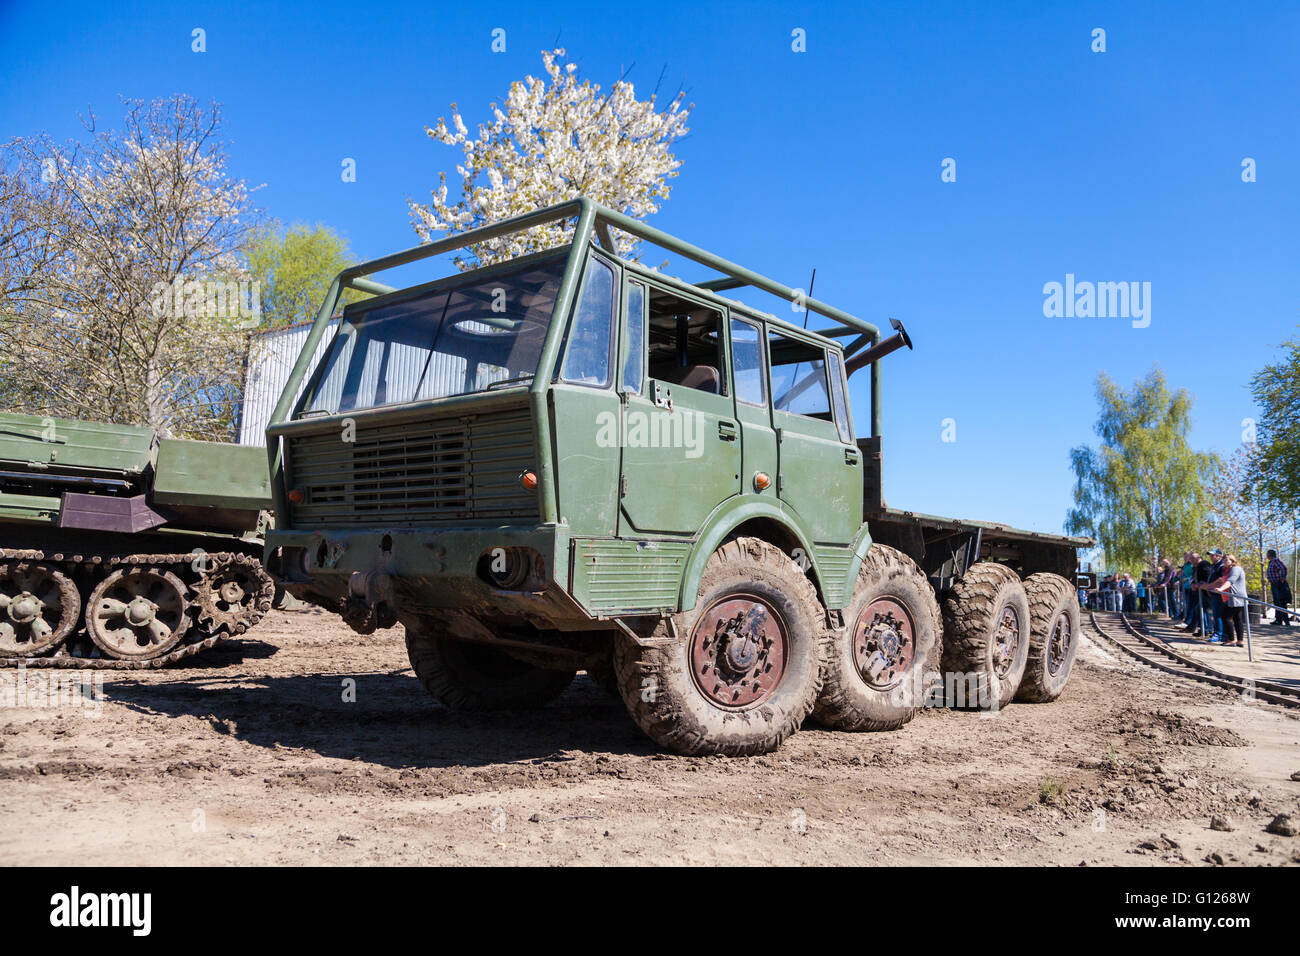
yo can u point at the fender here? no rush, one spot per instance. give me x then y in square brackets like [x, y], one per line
[736, 511]
[861, 544]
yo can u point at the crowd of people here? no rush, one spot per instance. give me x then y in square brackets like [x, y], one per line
[1207, 593]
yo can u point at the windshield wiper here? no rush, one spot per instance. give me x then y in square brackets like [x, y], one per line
[509, 381]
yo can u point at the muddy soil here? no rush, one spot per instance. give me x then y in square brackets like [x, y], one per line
[306, 744]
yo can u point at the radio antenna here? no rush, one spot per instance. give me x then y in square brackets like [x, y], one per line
[811, 282]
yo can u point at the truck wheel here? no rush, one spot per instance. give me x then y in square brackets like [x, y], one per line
[463, 675]
[875, 671]
[1053, 637]
[986, 632]
[740, 671]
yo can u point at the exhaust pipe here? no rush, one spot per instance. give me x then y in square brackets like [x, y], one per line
[880, 349]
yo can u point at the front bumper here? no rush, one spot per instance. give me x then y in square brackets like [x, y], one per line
[430, 570]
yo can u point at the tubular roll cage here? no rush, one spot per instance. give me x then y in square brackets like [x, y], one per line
[594, 221]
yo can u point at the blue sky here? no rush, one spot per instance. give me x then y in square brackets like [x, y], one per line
[1115, 166]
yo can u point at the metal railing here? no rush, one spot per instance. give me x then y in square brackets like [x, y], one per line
[1115, 599]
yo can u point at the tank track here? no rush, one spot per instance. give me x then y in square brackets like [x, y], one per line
[62, 657]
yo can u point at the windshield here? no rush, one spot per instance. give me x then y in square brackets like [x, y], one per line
[458, 339]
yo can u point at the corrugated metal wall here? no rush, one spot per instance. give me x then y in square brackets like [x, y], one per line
[271, 356]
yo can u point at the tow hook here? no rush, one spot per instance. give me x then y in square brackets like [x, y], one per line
[370, 603]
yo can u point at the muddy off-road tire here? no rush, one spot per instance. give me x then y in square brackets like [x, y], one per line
[462, 675]
[744, 670]
[986, 634]
[876, 668]
[1053, 637]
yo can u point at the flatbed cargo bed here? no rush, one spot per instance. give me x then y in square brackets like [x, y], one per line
[945, 548]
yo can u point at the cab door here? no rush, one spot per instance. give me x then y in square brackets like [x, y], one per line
[681, 442]
[758, 451]
[820, 468]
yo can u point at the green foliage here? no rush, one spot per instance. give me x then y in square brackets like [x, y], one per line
[1142, 493]
[1276, 389]
[1241, 520]
[1051, 791]
[295, 268]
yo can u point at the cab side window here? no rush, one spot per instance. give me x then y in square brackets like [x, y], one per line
[747, 362]
[799, 377]
[685, 343]
[840, 397]
[634, 364]
[591, 333]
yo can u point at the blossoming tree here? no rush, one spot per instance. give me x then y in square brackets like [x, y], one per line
[109, 258]
[556, 137]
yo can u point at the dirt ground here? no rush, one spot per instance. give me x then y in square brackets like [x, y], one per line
[260, 756]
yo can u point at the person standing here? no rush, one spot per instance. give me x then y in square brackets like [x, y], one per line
[1281, 590]
[1200, 604]
[1164, 588]
[1218, 571]
[1188, 579]
[1231, 586]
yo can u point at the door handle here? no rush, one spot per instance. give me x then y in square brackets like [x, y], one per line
[727, 430]
[850, 456]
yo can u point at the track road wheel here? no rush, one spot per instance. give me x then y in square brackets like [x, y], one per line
[39, 607]
[740, 671]
[463, 675]
[1053, 637]
[986, 634]
[877, 666]
[136, 614]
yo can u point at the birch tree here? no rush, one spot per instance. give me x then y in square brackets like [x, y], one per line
[122, 297]
[1142, 492]
[554, 138]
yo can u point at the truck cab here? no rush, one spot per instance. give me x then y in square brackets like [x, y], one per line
[440, 453]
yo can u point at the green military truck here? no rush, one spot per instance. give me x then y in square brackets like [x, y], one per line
[121, 550]
[568, 461]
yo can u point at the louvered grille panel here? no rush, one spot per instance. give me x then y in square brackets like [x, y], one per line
[415, 474]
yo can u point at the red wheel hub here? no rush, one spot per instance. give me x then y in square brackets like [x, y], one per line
[738, 652]
[884, 643]
[1059, 644]
[1006, 642]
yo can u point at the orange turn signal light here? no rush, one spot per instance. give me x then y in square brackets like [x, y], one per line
[762, 480]
[296, 496]
[529, 480]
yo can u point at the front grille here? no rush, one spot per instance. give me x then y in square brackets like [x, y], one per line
[415, 474]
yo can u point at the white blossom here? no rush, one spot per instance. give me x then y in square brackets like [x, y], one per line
[125, 215]
[556, 138]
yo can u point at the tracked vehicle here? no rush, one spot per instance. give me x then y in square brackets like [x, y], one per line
[120, 550]
[568, 461]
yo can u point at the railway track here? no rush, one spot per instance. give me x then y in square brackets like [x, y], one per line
[1135, 642]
